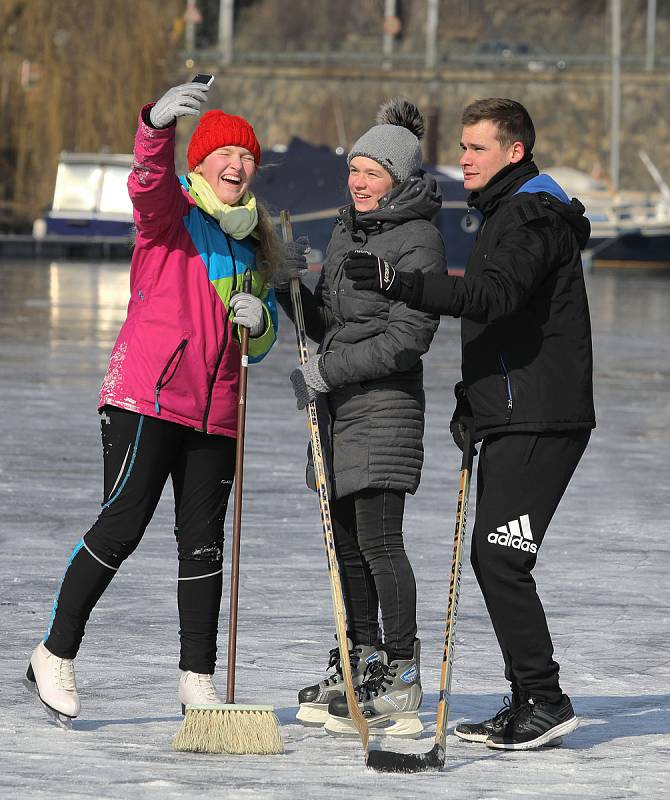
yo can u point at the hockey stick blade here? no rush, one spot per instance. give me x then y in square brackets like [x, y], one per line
[387, 761]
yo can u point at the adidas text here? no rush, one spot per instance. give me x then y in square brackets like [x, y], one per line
[516, 534]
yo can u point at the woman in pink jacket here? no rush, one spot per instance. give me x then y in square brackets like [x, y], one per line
[168, 401]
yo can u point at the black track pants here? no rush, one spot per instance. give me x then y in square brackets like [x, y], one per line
[374, 568]
[520, 481]
[140, 453]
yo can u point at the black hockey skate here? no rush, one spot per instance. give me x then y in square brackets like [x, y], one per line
[313, 700]
[389, 698]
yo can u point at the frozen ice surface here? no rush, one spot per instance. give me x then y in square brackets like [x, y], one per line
[602, 574]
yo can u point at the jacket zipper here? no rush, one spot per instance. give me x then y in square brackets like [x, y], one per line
[159, 382]
[508, 386]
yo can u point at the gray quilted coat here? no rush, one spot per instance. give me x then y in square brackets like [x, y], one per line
[372, 346]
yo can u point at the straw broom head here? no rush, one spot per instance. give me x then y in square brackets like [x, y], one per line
[234, 729]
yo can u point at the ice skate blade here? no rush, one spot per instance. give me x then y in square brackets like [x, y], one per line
[61, 720]
[546, 740]
[312, 715]
[404, 725]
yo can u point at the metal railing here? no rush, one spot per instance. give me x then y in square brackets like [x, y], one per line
[532, 62]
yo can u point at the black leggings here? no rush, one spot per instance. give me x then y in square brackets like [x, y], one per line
[140, 453]
[375, 570]
[520, 481]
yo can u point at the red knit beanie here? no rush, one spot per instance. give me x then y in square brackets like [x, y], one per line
[218, 129]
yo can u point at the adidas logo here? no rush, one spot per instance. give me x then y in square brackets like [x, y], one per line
[516, 534]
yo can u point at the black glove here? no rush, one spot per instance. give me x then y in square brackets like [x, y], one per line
[463, 419]
[368, 271]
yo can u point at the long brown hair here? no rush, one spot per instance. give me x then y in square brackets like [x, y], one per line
[270, 252]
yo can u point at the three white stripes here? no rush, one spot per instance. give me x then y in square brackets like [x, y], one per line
[515, 529]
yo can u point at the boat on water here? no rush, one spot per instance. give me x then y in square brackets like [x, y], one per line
[91, 215]
[91, 208]
[628, 229]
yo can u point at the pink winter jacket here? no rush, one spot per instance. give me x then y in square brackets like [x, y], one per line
[177, 356]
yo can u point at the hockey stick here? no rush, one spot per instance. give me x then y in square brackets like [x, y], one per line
[385, 760]
[357, 717]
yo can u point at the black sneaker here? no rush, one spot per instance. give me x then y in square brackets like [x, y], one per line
[535, 724]
[480, 731]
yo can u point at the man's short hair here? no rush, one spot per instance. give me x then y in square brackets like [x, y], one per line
[511, 118]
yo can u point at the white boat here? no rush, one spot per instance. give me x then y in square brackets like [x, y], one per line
[90, 200]
[628, 229]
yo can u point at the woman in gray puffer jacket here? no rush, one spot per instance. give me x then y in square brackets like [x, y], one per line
[369, 364]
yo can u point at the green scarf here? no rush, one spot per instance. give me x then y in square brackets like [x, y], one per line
[237, 221]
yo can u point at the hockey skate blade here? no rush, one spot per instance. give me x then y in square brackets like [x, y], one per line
[551, 738]
[61, 720]
[312, 715]
[403, 724]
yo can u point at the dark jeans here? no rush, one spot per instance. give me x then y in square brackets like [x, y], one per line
[521, 479]
[140, 453]
[374, 568]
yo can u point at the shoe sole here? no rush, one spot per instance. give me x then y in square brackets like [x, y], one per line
[404, 725]
[546, 739]
[479, 738]
[62, 720]
[472, 737]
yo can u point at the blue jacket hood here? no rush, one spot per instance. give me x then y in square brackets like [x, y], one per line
[544, 183]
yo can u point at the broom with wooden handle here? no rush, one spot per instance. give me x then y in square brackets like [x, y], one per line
[357, 718]
[232, 728]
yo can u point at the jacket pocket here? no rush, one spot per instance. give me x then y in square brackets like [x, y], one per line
[168, 371]
[508, 387]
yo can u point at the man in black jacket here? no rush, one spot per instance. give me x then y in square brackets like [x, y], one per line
[526, 392]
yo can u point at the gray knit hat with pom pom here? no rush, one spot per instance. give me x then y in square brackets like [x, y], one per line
[394, 141]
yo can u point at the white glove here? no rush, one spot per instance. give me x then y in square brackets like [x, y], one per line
[180, 101]
[249, 312]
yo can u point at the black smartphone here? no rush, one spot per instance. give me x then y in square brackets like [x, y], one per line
[208, 80]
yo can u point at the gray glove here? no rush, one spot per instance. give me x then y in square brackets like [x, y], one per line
[309, 380]
[249, 312]
[180, 101]
[294, 264]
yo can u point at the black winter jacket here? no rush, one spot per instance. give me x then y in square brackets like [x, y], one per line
[372, 346]
[525, 326]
